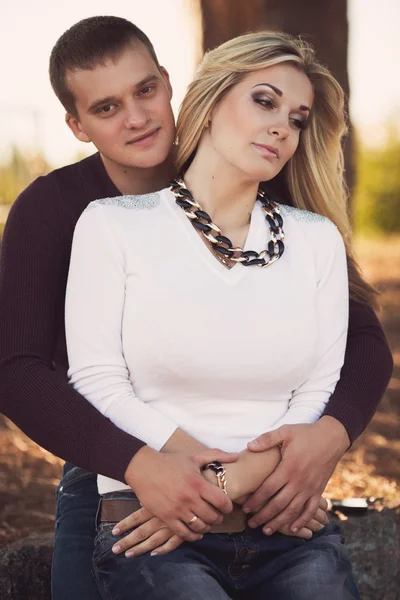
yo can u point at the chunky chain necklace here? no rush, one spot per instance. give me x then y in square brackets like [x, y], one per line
[222, 245]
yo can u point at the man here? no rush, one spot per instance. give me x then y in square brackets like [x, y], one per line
[107, 76]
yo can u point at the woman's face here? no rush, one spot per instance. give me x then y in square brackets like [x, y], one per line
[256, 127]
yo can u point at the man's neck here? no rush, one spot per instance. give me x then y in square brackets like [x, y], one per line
[135, 181]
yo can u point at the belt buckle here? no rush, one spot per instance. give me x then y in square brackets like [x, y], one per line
[235, 522]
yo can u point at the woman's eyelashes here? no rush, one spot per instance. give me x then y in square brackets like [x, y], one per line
[270, 104]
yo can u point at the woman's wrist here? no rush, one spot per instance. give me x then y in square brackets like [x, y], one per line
[246, 474]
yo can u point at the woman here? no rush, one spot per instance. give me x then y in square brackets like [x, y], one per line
[177, 335]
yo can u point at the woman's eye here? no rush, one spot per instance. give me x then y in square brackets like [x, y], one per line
[298, 123]
[265, 102]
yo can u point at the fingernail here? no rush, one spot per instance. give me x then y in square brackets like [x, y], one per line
[116, 549]
[154, 553]
[116, 531]
[294, 529]
[267, 531]
[254, 443]
[129, 553]
[246, 509]
[252, 524]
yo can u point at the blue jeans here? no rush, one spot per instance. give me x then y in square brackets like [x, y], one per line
[245, 565]
[75, 530]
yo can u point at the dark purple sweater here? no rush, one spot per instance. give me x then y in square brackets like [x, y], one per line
[34, 392]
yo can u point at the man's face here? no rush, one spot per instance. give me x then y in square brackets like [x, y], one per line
[124, 108]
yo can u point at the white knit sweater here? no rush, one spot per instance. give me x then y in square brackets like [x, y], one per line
[161, 335]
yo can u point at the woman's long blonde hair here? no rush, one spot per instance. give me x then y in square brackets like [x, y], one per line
[313, 178]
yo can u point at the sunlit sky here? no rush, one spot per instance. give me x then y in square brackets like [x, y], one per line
[30, 114]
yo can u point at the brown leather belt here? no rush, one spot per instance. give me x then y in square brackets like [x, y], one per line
[115, 510]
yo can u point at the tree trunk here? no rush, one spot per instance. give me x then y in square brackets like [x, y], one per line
[324, 24]
[225, 19]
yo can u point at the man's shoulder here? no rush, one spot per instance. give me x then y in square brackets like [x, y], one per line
[74, 185]
[75, 176]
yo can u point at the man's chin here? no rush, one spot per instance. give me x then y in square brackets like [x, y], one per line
[146, 160]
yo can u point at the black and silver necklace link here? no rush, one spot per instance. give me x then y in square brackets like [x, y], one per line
[222, 245]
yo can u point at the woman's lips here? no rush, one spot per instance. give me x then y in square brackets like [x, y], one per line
[267, 151]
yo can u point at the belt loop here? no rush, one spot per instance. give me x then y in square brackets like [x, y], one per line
[98, 514]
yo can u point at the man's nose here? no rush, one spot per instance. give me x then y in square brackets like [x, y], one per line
[136, 117]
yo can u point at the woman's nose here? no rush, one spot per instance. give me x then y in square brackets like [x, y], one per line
[279, 130]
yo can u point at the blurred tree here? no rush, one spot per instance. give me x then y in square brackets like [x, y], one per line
[377, 192]
[18, 172]
[324, 24]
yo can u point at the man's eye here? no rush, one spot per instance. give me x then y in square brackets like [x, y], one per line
[146, 90]
[106, 109]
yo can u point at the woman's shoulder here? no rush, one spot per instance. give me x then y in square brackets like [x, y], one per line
[319, 234]
[314, 226]
[304, 216]
[127, 201]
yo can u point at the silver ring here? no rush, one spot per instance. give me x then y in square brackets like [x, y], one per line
[192, 520]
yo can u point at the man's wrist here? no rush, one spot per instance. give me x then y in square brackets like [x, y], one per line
[133, 466]
[336, 433]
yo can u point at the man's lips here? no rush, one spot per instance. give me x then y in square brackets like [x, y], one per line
[268, 150]
[144, 136]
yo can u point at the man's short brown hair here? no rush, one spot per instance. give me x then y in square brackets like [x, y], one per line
[89, 43]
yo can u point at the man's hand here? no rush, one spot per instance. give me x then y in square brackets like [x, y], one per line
[172, 488]
[291, 494]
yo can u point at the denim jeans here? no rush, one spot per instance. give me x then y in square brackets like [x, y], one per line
[247, 565]
[75, 530]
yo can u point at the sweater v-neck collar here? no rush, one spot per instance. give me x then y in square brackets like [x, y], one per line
[236, 273]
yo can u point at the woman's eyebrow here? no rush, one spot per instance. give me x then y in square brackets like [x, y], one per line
[279, 93]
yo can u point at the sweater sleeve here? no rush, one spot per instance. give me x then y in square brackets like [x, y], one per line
[309, 399]
[93, 321]
[366, 372]
[33, 275]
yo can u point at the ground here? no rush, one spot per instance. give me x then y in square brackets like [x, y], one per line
[29, 475]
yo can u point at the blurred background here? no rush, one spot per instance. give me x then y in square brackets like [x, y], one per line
[357, 39]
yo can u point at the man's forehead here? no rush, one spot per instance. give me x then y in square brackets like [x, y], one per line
[134, 63]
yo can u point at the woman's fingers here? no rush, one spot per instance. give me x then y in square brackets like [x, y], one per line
[323, 503]
[304, 533]
[138, 535]
[134, 520]
[172, 544]
[315, 525]
[151, 544]
[320, 516]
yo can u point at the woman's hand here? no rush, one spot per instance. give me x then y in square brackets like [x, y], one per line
[313, 526]
[152, 535]
[149, 534]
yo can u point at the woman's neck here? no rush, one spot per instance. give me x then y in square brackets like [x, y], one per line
[223, 192]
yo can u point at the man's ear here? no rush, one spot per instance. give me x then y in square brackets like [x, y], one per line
[165, 75]
[76, 128]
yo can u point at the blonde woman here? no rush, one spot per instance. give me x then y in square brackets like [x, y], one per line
[220, 314]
